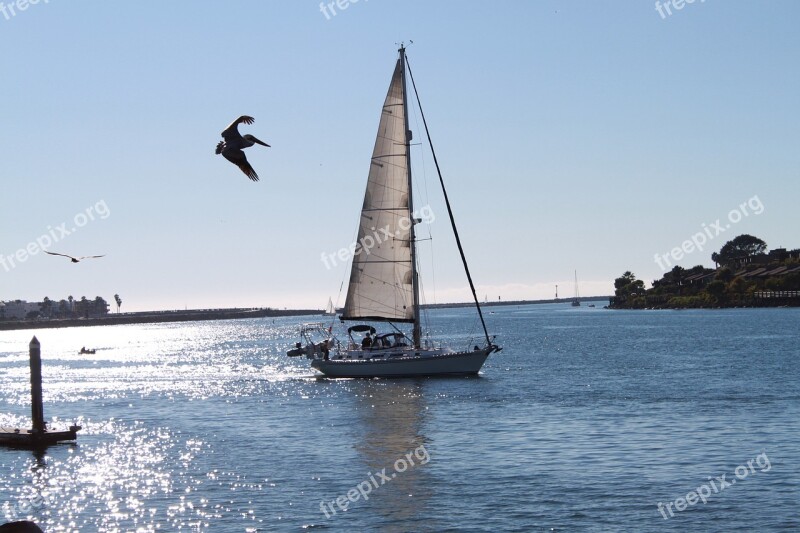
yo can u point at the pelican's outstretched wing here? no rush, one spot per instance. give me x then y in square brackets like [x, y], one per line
[62, 255]
[91, 256]
[232, 131]
[238, 158]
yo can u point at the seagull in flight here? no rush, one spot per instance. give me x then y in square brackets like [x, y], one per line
[75, 259]
[231, 148]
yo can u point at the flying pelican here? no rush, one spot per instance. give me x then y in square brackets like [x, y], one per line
[231, 147]
[75, 259]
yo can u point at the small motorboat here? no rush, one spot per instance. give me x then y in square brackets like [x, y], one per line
[85, 351]
[315, 340]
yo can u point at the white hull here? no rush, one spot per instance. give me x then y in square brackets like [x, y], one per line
[438, 364]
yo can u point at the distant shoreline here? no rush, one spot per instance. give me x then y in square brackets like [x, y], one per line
[518, 302]
[157, 317]
[774, 303]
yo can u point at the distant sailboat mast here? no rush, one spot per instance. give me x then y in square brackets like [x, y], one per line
[576, 302]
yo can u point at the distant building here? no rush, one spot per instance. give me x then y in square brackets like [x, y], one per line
[17, 309]
[84, 308]
[774, 255]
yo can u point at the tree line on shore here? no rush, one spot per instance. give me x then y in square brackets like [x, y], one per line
[60, 309]
[65, 308]
[744, 275]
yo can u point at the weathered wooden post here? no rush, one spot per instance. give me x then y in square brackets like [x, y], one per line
[37, 437]
[37, 410]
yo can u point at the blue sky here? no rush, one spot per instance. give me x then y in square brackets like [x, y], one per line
[580, 135]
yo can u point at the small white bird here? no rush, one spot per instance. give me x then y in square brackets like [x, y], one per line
[75, 259]
[231, 148]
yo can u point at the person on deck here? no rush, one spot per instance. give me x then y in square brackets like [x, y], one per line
[367, 342]
[325, 346]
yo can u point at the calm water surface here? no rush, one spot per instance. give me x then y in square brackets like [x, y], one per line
[584, 422]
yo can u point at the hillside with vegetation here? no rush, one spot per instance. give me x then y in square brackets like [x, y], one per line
[746, 275]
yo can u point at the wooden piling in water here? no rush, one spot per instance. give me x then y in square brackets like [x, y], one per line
[37, 409]
[38, 436]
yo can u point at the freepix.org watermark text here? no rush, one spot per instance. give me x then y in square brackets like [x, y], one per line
[11, 9]
[35, 500]
[665, 9]
[378, 236]
[374, 481]
[329, 8]
[55, 234]
[714, 486]
[709, 233]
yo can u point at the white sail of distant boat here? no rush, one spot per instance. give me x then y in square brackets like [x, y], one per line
[576, 302]
[384, 284]
[330, 309]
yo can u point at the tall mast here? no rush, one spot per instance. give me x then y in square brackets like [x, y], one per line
[416, 334]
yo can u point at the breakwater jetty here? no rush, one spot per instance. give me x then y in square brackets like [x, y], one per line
[152, 317]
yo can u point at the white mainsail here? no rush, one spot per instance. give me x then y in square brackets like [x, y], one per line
[381, 284]
[330, 309]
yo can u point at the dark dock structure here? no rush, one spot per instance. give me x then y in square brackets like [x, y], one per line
[39, 436]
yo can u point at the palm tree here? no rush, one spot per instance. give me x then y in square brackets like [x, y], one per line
[46, 306]
[99, 307]
[118, 300]
[71, 307]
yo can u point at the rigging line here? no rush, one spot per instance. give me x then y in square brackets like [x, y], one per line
[378, 305]
[336, 306]
[449, 209]
[471, 334]
[423, 309]
[346, 273]
[428, 202]
[423, 312]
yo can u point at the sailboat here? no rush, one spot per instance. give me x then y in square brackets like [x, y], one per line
[384, 284]
[330, 309]
[576, 301]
